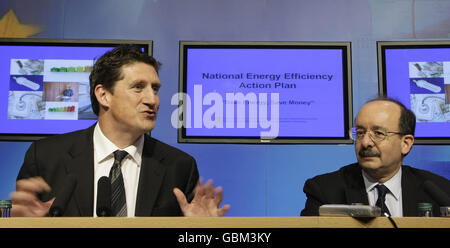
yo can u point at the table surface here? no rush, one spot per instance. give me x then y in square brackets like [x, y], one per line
[224, 222]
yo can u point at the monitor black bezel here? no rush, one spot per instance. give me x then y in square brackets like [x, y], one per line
[382, 81]
[348, 105]
[146, 44]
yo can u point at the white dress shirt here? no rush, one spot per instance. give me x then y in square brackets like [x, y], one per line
[393, 197]
[131, 165]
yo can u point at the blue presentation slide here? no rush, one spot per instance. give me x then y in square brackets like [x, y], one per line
[244, 92]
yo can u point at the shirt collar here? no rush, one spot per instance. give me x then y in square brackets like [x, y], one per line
[104, 148]
[394, 184]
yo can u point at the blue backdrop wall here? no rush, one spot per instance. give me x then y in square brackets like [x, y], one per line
[259, 180]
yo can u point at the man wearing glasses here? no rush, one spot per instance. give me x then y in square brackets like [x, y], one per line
[383, 136]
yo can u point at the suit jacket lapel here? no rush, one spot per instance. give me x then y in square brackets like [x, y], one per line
[410, 192]
[356, 190]
[81, 165]
[151, 177]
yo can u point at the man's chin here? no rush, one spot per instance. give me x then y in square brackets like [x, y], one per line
[369, 162]
[148, 128]
[144, 129]
[148, 125]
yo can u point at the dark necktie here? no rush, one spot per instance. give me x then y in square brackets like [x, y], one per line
[118, 199]
[382, 191]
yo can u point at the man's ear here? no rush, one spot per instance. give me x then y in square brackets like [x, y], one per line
[103, 96]
[407, 143]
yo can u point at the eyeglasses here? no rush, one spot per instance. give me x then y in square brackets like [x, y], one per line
[375, 135]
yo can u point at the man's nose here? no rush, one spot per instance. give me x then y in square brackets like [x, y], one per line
[150, 97]
[366, 140]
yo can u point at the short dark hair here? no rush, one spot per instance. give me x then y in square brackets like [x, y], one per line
[407, 121]
[107, 69]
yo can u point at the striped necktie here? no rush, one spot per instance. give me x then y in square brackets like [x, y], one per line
[382, 191]
[118, 199]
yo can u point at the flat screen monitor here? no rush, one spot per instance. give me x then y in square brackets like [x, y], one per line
[417, 73]
[45, 89]
[264, 92]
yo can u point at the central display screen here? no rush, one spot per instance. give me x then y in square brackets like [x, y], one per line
[263, 92]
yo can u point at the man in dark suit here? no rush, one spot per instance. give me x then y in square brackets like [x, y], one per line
[154, 178]
[384, 135]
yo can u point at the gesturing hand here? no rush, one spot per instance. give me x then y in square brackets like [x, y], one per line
[205, 203]
[24, 200]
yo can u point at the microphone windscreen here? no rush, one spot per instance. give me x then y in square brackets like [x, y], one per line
[63, 196]
[436, 193]
[104, 197]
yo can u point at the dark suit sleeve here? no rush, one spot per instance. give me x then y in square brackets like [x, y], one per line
[192, 181]
[29, 168]
[181, 172]
[314, 198]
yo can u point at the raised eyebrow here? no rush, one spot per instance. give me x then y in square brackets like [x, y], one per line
[376, 127]
[136, 82]
[156, 83]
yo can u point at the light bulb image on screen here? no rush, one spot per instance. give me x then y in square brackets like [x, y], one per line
[429, 108]
[426, 85]
[25, 105]
[27, 83]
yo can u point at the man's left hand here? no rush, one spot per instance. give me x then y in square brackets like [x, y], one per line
[205, 203]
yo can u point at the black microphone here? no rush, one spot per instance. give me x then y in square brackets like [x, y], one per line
[437, 194]
[104, 197]
[62, 197]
